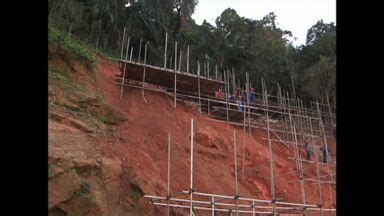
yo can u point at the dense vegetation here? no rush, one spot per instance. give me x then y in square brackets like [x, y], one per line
[255, 46]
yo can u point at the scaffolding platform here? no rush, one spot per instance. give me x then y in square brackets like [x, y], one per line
[186, 82]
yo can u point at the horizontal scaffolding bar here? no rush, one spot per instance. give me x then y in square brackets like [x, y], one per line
[251, 199]
[210, 209]
[312, 207]
[307, 161]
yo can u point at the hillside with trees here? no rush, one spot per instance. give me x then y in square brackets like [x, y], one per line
[259, 47]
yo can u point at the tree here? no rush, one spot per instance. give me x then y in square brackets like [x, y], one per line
[259, 47]
[316, 61]
[318, 30]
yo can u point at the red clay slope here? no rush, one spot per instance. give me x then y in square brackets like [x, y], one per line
[144, 144]
[133, 155]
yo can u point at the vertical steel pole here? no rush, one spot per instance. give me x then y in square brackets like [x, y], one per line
[188, 59]
[198, 83]
[165, 50]
[191, 179]
[169, 172]
[236, 184]
[175, 73]
[141, 40]
[125, 66]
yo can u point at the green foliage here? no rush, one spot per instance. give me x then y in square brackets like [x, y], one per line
[259, 47]
[320, 77]
[73, 46]
[316, 62]
[319, 30]
[62, 79]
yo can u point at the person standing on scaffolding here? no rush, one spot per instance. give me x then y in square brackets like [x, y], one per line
[238, 92]
[253, 95]
[240, 105]
[324, 150]
[244, 96]
[308, 150]
[219, 94]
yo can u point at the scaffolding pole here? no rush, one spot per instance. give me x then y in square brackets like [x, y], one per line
[198, 84]
[302, 186]
[249, 108]
[191, 213]
[175, 73]
[130, 56]
[236, 184]
[181, 52]
[145, 60]
[165, 50]
[169, 172]
[251, 199]
[242, 176]
[293, 136]
[188, 59]
[125, 66]
[326, 153]
[253, 208]
[122, 45]
[216, 72]
[240, 211]
[226, 95]
[317, 172]
[293, 87]
[270, 151]
[141, 40]
[208, 69]
[233, 81]
[210, 209]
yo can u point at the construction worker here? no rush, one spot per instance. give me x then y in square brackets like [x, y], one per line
[244, 96]
[231, 98]
[308, 150]
[324, 150]
[239, 104]
[220, 93]
[253, 95]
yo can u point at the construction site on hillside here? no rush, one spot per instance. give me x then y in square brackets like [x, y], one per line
[305, 131]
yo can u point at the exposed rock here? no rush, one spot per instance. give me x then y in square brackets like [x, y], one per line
[111, 171]
[62, 188]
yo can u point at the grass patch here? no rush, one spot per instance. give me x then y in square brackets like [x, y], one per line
[70, 44]
[61, 76]
[62, 79]
[109, 116]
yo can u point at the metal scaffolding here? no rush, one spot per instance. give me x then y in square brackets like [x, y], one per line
[285, 119]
